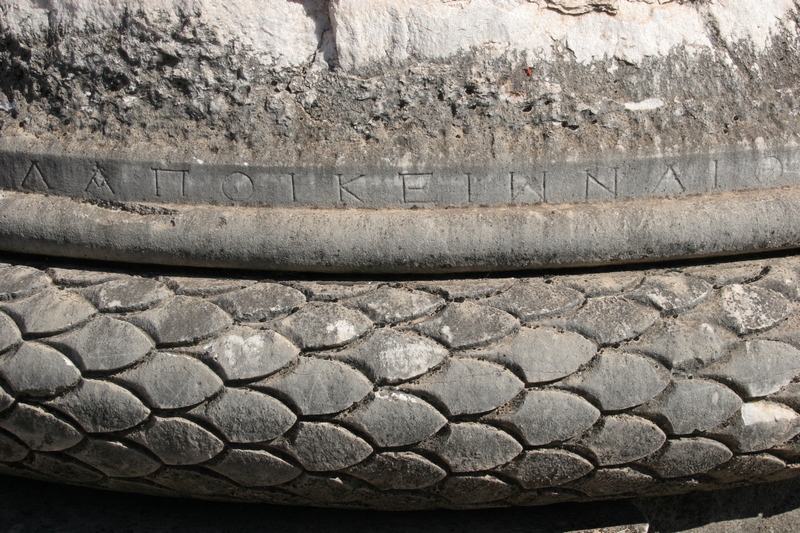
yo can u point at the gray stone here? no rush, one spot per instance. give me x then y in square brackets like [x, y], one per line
[541, 354]
[787, 331]
[468, 386]
[245, 353]
[245, 416]
[471, 447]
[390, 356]
[392, 418]
[101, 407]
[11, 450]
[619, 380]
[474, 489]
[536, 299]
[747, 468]
[782, 278]
[690, 405]
[21, 281]
[6, 400]
[126, 295]
[200, 286]
[610, 319]
[621, 439]
[388, 305]
[758, 368]
[39, 429]
[323, 447]
[467, 324]
[672, 294]
[318, 386]
[260, 302]
[685, 345]
[687, 457]
[323, 490]
[331, 291]
[536, 469]
[76, 277]
[49, 312]
[594, 285]
[324, 325]
[38, 370]
[397, 471]
[720, 275]
[171, 381]
[115, 459]
[547, 416]
[461, 289]
[61, 469]
[194, 483]
[182, 320]
[609, 481]
[138, 487]
[103, 344]
[9, 333]
[177, 441]
[748, 309]
[758, 426]
[255, 468]
[789, 395]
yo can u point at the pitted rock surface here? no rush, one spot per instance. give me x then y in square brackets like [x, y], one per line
[685, 345]
[720, 275]
[115, 459]
[245, 416]
[49, 312]
[9, 333]
[468, 386]
[748, 308]
[125, 295]
[331, 291]
[388, 305]
[324, 325]
[536, 469]
[611, 319]
[101, 407]
[38, 370]
[182, 320]
[81, 277]
[613, 481]
[594, 285]
[758, 426]
[466, 289]
[747, 467]
[541, 354]
[621, 439]
[470, 447]
[394, 418]
[689, 405]
[260, 302]
[177, 441]
[547, 416]
[672, 294]
[11, 450]
[170, 381]
[464, 325]
[475, 489]
[323, 447]
[619, 380]
[389, 356]
[685, 457]
[535, 300]
[758, 368]
[246, 353]
[103, 344]
[255, 468]
[201, 286]
[21, 281]
[318, 386]
[784, 279]
[398, 471]
[39, 429]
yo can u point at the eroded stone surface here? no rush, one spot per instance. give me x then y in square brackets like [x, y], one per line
[9, 333]
[49, 312]
[199, 286]
[323, 447]
[331, 291]
[789, 395]
[593, 285]
[324, 325]
[61, 469]
[758, 426]
[260, 302]
[758, 368]
[318, 386]
[246, 353]
[39, 429]
[388, 305]
[10, 449]
[470, 447]
[115, 459]
[38, 370]
[6, 400]
[537, 299]
[397, 471]
[245, 416]
[101, 407]
[535, 469]
[467, 288]
[685, 345]
[21, 281]
[672, 294]
[686, 457]
[782, 278]
[80, 277]
[606, 481]
[191, 482]
[464, 325]
[747, 467]
[177, 441]
[748, 308]
[125, 295]
[468, 386]
[611, 319]
[621, 439]
[721, 275]
[474, 489]
[255, 468]
[182, 320]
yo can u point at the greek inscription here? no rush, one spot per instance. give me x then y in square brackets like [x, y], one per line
[98, 184]
[237, 186]
[669, 184]
[33, 180]
[599, 189]
[769, 170]
[347, 193]
[527, 189]
[415, 187]
[170, 183]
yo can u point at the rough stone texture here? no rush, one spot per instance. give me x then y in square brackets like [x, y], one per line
[177, 441]
[9, 333]
[722, 274]
[37, 370]
[332, 291]
[10, 449]
[468, 386]
[547, 416]
[594, 285]
[101, 407]
[245, 416]
[613, 481]
[686, 457]
[49, 312]
[388, 305]
[338, 489]
[534, 300]
[39, 429]
[466, 289]
[245, 353]
[181, 321]
[464, 325]
[115, 459]
[789, 395]
[758, 368]
[540, 355]
[747, 467]
[619, 380]
[470, 447]
[689, 405]
[318, 386]
[758, 426]
[195, 482]
[621, 439]
[784, 279]
[323, 447]
[81, 277]
[21, 281]
[393, 419]
[255, 468]
[125, 295]
[324, 325]
[389, 356]
[672, 294]
[202, 286]
[474, 489]
[609, 320]
[61, 468]
[103, 344]
[686, 345]
[6, 400]
[749, 308]
[170, 381]
[546, 468]
[260, 302]
[398, 471]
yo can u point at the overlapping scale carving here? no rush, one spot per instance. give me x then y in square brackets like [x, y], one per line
[49, 312]
[101, 407]
[260, 302]
[470, 447]
[246, 353]
[129, 294]
[324, 325]
[177, 441]
[255, 468]
[324, 447]
[388, 305]
[182, 320]
[37, 370]
[9, 333]
[398, 471]
[536, 299]
[245, 416]
[467, 324]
